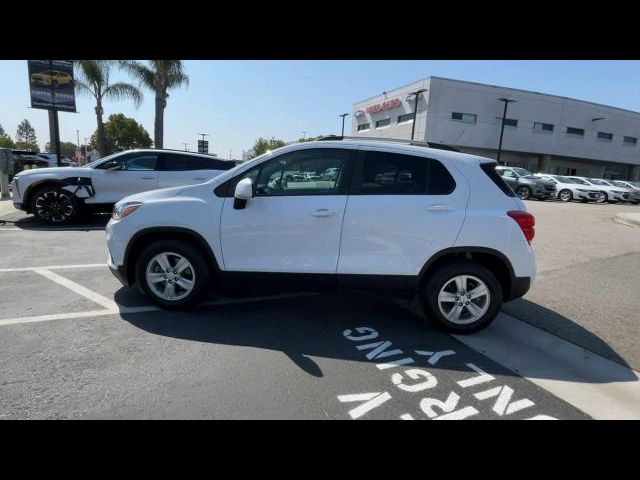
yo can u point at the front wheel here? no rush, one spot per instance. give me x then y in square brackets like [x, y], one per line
[602, 198]
[565, 195]
[172, 274]
[462, 297]
[523, 192]
[54, 206]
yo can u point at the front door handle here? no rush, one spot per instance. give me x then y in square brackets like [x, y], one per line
[199, 178]
[439, 208]
[323, 212]
[147, 178]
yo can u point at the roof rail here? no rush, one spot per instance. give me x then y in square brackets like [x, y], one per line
[417, 143]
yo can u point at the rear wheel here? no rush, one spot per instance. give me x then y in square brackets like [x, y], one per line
[462, 297]
[565, 195]
[602, 198]
[54, 206]
[172, 274]
[523, 192]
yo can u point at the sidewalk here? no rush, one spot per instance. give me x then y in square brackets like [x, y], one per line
[6, 207]
[631, 219]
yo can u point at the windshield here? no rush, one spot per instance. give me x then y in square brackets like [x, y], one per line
[522, 172]
[562, 179]
[599, 182]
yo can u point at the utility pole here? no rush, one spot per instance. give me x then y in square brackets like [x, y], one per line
[504, 116]
[343, 115]
[304, 135]
[185, 146]
[416, 98]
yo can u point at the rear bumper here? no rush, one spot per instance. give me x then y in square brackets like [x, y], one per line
[519, 287]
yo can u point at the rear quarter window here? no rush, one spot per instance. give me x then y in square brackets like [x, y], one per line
[490, 169]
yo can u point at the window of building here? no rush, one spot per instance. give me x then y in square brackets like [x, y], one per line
[364, 126]
[508, 122]
[383, 123]
[464, 117]
[407, 117]
[605, 136]
[575, 131]
[542, 127]
[630, 140]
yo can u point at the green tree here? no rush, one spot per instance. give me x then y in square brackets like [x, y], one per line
[159, 76]
[26, 133]
[67, 149]
[92, 78]
[262, 145]
[6, 142]
[123, 133]
[27, 146]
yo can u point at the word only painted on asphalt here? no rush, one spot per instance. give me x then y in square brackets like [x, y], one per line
[500, 400]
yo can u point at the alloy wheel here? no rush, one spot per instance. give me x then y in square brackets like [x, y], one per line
[170, 276]
[54, 206]
[464, 299]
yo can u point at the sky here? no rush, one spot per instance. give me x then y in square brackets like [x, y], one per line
[235, 102]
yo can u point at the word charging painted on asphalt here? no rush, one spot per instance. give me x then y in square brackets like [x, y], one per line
[500, 400]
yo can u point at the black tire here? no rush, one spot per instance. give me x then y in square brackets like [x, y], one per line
[54, 206]
[430, 291]
[565, 195]
[200, 273]
[524, 193]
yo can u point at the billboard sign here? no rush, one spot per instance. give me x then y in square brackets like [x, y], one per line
[51, 84]
[203, 146]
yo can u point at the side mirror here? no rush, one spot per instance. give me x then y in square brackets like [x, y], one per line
[113, 166]
[244, 191]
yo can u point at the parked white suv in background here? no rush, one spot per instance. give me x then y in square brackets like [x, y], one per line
[396, 217]
[567, 189]
[56, 195]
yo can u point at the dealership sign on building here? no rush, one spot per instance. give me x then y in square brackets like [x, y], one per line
[388, 105]
[51, 84]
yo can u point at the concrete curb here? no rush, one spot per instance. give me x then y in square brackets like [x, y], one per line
[630, 219]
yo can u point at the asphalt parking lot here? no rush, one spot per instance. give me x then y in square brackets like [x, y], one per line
[75, 344]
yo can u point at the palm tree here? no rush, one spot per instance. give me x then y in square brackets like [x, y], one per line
[159, 76]
[92, 77]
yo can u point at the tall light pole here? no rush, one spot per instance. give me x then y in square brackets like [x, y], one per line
[416, 97]
[304, 135]
[185, 146]
[343, 115]
[203, 135]
[504, 116]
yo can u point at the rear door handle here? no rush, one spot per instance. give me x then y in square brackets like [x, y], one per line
[148, 178]
[323, 212]
[439, 208]
[199, 178]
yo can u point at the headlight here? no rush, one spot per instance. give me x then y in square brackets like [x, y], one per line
[122, 210]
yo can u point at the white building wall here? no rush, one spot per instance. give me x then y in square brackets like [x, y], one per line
[446, 96]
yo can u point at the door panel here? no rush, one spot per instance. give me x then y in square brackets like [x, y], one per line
[391, 225]
[136, 175]
[293, 221]
[283, 234]
[190, 177]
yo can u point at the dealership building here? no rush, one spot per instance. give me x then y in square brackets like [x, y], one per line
[542, 133]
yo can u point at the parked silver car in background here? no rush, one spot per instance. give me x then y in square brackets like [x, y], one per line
[606, 190]
[616, 194]
[634, 188]
[567, 189]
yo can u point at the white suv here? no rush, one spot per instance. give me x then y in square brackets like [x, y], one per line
[56, 195]
[395, 217]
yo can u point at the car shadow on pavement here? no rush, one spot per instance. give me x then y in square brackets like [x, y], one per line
[86, 222]
[313, 326]
[561, 326]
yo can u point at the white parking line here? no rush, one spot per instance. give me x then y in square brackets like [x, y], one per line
[79, 289]
[52, 267]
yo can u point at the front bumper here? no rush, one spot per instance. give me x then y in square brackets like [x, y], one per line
[119, 271]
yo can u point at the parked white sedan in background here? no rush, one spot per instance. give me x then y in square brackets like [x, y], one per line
[608, 193]
[635, 189]
[567, 189]
[56, 195]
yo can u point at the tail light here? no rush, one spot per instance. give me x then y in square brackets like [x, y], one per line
[526, 222]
